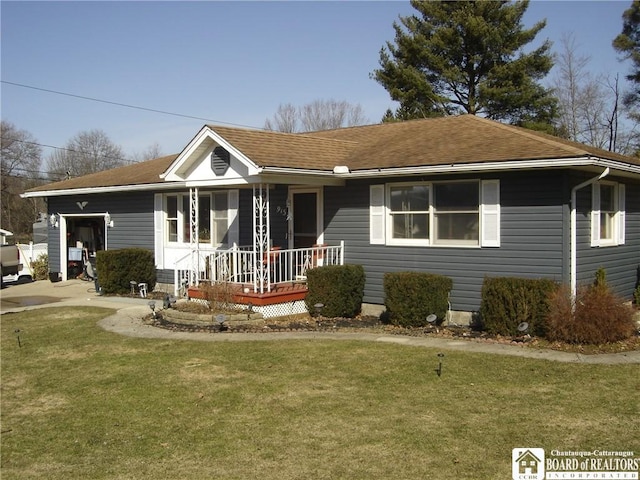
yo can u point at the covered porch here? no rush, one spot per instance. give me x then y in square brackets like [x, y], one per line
[255, 273]
[260, 274]
[236, 213]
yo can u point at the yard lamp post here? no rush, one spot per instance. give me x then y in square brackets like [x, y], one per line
[152, 306]
[439, 369]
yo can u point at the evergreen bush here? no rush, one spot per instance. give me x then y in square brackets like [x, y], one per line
[117, 268]
[410, 297]
[339, 288]
[507, 302]
[40, 267]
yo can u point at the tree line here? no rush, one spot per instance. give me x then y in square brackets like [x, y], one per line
[447, 58]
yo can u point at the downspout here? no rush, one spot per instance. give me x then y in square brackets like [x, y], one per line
[574, 257]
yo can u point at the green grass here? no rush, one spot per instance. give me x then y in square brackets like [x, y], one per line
[79, 402]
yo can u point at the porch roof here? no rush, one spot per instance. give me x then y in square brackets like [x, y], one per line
[437, 142]
[289, 150]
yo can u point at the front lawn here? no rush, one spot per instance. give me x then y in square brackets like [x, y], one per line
[79, 402]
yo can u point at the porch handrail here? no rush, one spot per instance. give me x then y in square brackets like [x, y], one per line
[242, 265]
[183, 275]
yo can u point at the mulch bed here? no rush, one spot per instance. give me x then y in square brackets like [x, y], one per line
[371, 324]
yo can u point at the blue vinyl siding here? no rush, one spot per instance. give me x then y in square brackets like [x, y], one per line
[534, 239]
[132, 215]
[620, 262]
[534, 222]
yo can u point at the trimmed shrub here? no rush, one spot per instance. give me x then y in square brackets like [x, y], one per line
[117, 268]
[40, 267]
[410, 297]
[340, 288]
[507, 302]
[599, 316]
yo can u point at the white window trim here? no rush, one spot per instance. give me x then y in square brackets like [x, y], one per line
[388, 217]
[432, 218]
[490, 213]
[380, 218]
[619, 218]
[377, 214]
[166, 218]
[163, 232]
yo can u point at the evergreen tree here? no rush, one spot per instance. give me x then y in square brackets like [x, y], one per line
[628, 44]
[466, 57]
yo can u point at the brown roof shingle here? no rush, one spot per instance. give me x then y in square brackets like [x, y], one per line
[288, 150]
[136, 174]
[454, 140]
[428, 142]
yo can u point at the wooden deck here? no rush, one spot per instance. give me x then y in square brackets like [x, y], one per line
[243, 294]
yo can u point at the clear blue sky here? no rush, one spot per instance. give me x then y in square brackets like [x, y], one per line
[228, 62]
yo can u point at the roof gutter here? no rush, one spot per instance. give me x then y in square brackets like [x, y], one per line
[497, 166]
[111, 189]
[573, 227]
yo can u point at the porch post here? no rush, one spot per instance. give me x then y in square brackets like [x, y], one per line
[261, 236]
[194, 245]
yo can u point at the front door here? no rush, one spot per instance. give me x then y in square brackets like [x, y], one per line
[305, 224]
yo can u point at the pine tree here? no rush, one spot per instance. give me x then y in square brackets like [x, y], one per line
[466, 57]
[628, 44]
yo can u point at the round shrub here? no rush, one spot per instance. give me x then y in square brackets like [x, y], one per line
[339, 288]
[116, 268]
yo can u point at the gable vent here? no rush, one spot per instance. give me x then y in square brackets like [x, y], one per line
[220, 161]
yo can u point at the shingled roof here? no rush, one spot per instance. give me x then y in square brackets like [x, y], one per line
[464, 139]
[455, 140]
[135, 174]
[288, 150]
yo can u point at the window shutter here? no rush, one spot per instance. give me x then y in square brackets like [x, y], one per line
[234, 228]
[490, 214]
[621, 214]
[376, 215]
[158, 229]
[595, 215]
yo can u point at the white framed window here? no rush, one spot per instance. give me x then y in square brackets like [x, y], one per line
[171, 210]
[204, 218]
[220, 218]
[457, 213]
[607, 214]
[217, 222]
[408, 214]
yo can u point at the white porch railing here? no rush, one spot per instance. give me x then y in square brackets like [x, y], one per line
[261, 273]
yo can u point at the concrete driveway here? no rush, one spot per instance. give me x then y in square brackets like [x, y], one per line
[16, 297]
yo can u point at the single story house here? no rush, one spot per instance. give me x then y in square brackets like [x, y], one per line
[460, 196]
